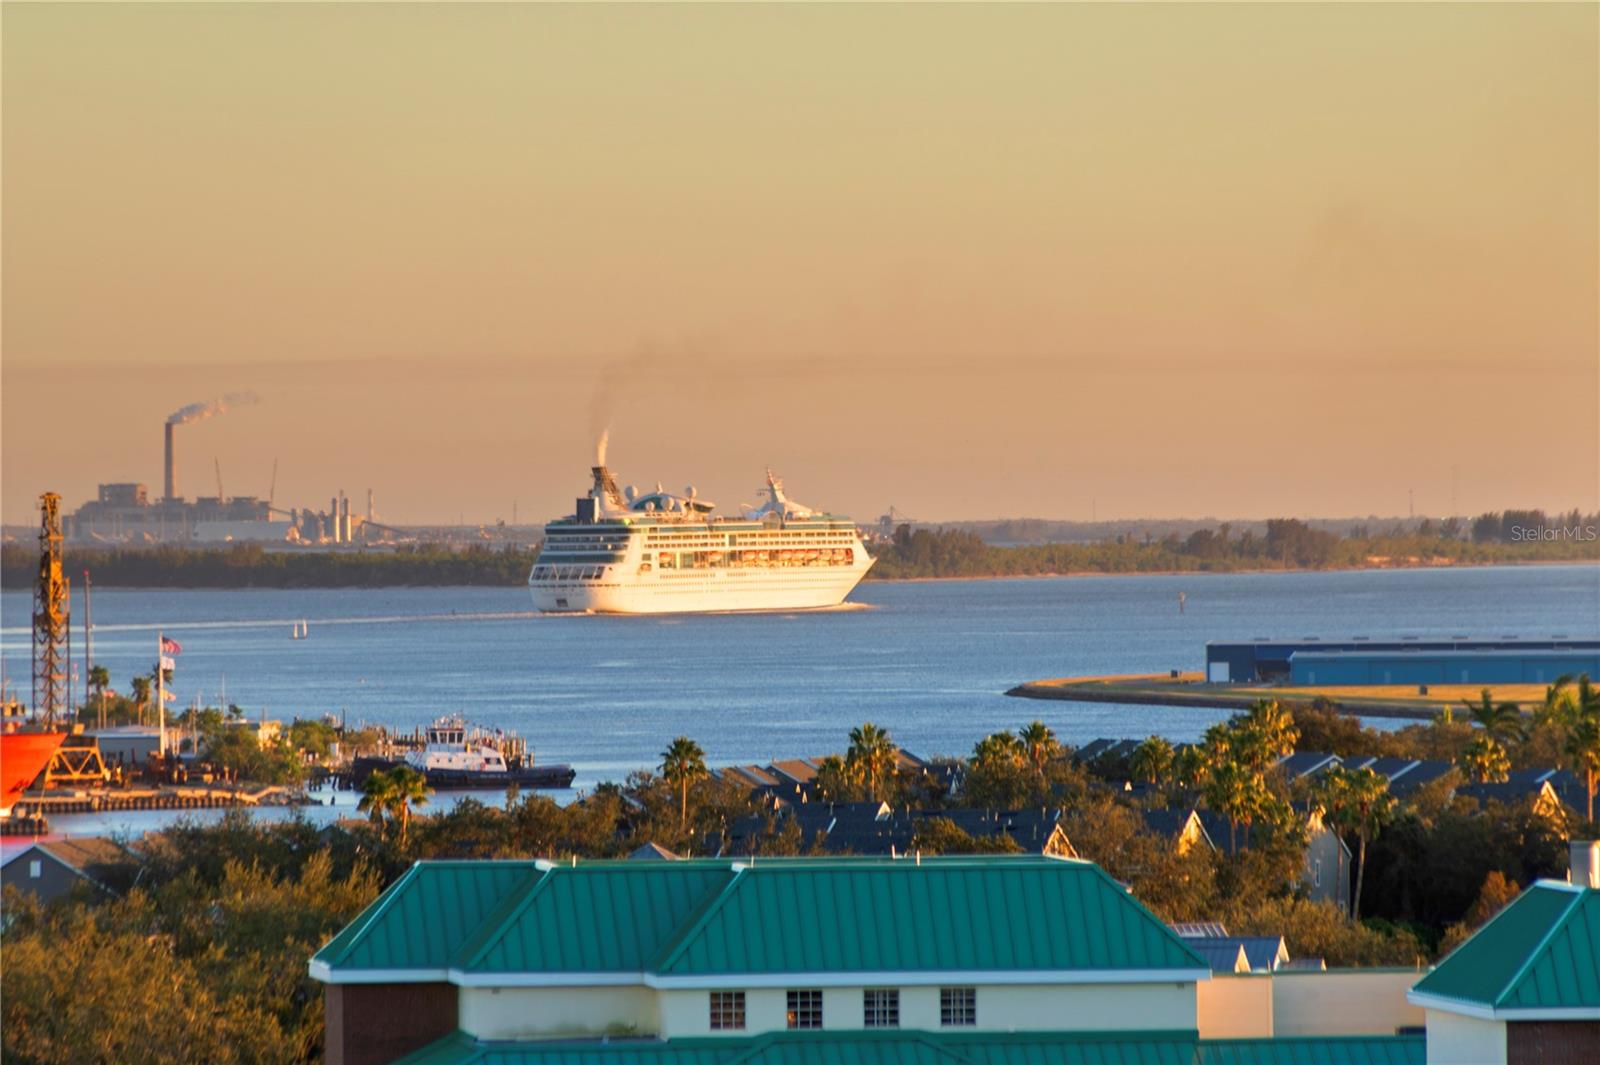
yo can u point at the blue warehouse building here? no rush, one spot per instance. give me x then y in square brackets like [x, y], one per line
[1409, 660]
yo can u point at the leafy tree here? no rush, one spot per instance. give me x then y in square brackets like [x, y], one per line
[940, 835]
[1485, 761]
[1358, 802]
[998, 775]
[1152, 760]
[683, 763]
[1501, 722]
[871, 758]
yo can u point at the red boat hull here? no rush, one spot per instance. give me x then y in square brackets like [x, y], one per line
[23, 756]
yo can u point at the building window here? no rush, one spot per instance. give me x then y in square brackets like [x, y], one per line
[805, 1009]
[1316, 872]
[958, 1007]
[881, 1008]
[727, 1010]
[35, 869]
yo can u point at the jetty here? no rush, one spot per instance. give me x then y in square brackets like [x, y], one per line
[1185, 689]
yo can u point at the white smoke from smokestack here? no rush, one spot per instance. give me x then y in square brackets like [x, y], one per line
[199, 412]
[600, 447]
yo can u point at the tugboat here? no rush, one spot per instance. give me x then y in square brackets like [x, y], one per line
[458, 756]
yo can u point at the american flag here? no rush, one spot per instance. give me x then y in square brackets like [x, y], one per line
[170, 646]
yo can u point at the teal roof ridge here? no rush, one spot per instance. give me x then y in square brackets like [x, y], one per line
[502, 917]
[675, 945]
[347, 939]
[1166, 929]
[1539, 949]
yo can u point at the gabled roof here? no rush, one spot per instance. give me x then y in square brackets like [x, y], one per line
[1263, 954]
[595, 917]
[1409, 781]
[680, 923]
[651, 852]
[1224, 956]
[103, 862]
[1307, 763]
[1539, 958]
[425, 916]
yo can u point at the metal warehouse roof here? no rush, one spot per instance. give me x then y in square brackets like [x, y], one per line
[1541, 953]
[901, 1047]
[474, 922]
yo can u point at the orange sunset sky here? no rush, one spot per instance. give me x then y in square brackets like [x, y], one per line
[975, 261]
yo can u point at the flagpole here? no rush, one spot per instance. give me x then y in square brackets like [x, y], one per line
[161, 692]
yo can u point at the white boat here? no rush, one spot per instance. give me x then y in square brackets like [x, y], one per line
[656, 552]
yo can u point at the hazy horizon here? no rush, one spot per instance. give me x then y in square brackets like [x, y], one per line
[975, 262]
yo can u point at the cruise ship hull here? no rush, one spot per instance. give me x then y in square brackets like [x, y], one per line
[716, 591]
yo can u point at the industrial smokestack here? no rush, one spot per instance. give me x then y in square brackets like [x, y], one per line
[344, 519]
[333, 519]
[171, 466]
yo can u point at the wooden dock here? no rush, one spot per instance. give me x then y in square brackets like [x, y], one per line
[101, 800]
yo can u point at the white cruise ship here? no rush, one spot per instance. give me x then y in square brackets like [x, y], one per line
[654, 552]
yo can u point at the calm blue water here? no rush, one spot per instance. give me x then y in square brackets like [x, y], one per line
[929, 661]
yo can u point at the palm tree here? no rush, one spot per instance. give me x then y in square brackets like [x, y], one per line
[410, 788]
[1040, 744]
[683, 763]
[1356, 801]
[832, 782]
[1501, 722]
[872, 755]
[141, 695]
[1583, 737]
[1236, 793]
[998, 748]
[1486, 761]
[377, 791]
[1266, 733]
[1151, 761]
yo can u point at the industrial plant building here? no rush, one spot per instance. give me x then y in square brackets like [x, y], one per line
[1410, 660]
[124, 513]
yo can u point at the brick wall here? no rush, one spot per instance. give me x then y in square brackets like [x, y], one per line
[373, 1024]
[1552, 1042]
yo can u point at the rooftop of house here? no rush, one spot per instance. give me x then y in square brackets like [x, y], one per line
[1537, 959]
[907, 1047]
[499, 923]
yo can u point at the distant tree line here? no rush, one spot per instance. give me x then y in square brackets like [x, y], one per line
[1286, 543]
[1281, 543]
[251, 566]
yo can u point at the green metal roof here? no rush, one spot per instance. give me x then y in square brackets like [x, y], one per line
[1316, 1050]
[681, 919]
[1542, 952]
[597, 918]
[425, 916]
[842, 917]
[904, 1047]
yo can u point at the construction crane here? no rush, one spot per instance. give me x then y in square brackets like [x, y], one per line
[52, 631]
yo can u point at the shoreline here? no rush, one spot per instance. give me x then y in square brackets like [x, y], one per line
[1072, 574]
[870, 579]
